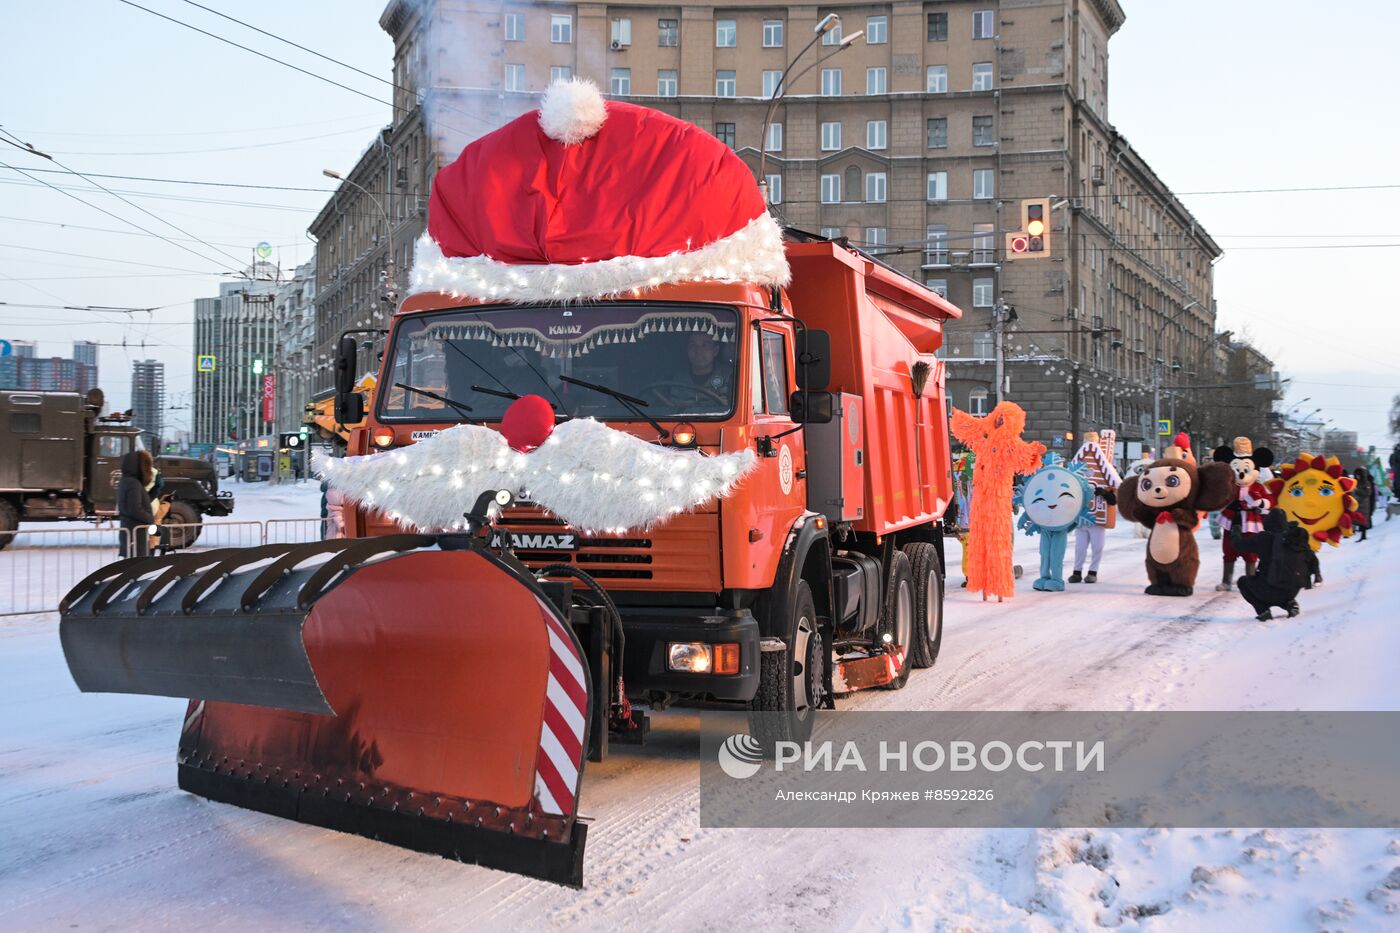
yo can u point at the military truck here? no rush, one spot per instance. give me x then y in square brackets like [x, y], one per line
[60, 460]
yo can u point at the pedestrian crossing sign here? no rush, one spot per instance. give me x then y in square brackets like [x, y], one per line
[204, 364]
[1164, 426]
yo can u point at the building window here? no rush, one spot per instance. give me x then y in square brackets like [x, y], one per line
[875, 133]
[832, 36]
[831, 137]
[556, 73]
[875, 81]
[982, 24]
[875, 236]
[561, 28]
[938, 186]
[876, 30]
[977, 399]
[667, 84]
[982, 76]
[983, 184]
[775, 137]
[831, 82]
[982, 131]
[668, 33]
[983, 243]
[515, 27]
[938, 27]
[936, 247]
[621, 33]
[726, 34]
[876, 186]
[772, 33]
[937, 286]
[770, 83]
[725, 132]
[620, 84]
[938, 133]
[831, 189]
[982, 293]
[515, 77]
[831, 233]
[726, 85]
[937, 79]
[775, 188]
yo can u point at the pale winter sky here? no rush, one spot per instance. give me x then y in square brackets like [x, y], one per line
[1217, 96]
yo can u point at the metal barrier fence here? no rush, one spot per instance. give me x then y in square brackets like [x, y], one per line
[39, 567]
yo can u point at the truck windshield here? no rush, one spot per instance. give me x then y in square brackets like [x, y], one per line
[680, 359]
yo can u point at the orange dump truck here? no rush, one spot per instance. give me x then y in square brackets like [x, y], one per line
[627, 453]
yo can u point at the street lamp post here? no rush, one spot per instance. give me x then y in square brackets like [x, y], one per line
[827, 23]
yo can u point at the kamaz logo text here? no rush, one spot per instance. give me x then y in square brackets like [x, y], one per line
[565, 330]
[537, 542]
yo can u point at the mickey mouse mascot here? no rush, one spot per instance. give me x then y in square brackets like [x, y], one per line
[1247, 510]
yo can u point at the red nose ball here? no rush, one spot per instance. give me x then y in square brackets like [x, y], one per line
[527, 423]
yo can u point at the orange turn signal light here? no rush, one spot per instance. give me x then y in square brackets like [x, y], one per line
[683, 435]
[727, 658]
[382, 437]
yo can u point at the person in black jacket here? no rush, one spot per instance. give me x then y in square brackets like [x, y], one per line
[1365, 495]
[134, 503]
[1287, 564]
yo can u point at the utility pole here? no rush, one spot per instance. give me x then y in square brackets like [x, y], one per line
[1074, 407]
[1002, 313]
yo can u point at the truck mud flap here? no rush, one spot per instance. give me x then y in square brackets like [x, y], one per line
[428, 698]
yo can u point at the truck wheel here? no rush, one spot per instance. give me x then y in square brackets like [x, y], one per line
[182, 513]
[9, 521]
[790, 682]
[897, 616]
[928, 602]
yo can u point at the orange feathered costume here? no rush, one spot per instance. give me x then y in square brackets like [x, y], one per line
[995, 440]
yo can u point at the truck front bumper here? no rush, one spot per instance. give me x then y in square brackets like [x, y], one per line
[649, 636]
[222, 505]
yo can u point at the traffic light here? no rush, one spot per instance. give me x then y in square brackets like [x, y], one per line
[1032, 240]
[292, 441]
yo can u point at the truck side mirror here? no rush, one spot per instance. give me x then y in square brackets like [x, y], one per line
[813, 359]
[347, 354]
[810, 407]
[349, 407]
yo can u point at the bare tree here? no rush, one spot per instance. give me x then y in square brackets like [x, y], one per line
[1395, 417]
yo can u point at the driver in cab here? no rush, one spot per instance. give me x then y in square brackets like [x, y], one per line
[706, 366]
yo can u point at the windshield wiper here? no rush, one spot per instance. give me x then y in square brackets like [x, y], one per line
[633, 403]
[462, 407]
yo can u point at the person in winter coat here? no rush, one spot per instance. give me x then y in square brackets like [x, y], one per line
[134, 510]
[1287, 564]
[1365, 494]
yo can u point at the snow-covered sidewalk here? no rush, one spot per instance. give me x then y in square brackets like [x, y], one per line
[97, 834]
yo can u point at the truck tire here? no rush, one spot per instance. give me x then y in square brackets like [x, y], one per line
[790, 682]
[9, 521]
[928, 602]
[897, 616]
[182, 513]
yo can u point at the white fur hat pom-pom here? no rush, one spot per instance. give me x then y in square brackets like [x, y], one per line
[572, 111]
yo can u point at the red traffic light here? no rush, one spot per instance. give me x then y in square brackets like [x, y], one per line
[1019, 244]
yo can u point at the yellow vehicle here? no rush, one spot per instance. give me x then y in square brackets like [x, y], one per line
[320, 414]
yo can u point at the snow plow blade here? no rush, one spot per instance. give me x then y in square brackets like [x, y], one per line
[416, 690]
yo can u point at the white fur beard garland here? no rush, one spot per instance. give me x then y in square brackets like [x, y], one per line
[593, 477]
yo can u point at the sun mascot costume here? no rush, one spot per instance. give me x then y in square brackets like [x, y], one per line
[1315, 492]
[999, 454]
[1055, 500]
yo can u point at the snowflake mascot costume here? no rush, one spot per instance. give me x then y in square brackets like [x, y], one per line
[999, 454]
[581, 200]
[1249, 507]
[1053, 500]
[1097, 457]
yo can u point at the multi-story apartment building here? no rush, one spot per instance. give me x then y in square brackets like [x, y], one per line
[237, 330]
[295, 320]
[148, 400]
[43, 373]
[917, 142]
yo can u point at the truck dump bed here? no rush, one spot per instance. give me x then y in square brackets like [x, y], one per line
[882, 324]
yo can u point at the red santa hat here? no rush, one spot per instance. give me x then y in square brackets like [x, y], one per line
[586, 198]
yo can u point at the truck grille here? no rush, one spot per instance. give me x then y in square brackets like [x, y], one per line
[604, 557]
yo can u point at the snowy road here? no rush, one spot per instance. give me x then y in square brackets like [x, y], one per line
[96, 835]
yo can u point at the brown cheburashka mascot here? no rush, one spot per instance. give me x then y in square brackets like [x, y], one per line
[1167, 498]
